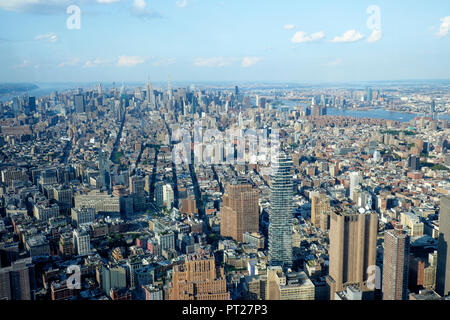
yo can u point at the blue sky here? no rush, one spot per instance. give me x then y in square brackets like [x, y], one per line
[224, 40]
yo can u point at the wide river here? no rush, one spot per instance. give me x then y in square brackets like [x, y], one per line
[379, 113]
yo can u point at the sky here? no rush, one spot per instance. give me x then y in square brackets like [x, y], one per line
[223, 40]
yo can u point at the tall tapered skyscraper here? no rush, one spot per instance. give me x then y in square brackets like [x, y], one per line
[443, 254]
[280, 220]
[99, 89]
[169, 89]
[150, 98]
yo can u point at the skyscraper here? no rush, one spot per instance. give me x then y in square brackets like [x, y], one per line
[16, 106]
[31, 104]
[322, 100]
[443, 255]
[307, 111]
[99, 89]
[369, 94]
[159, 193]
[18, 280]
[280, 219]
[137, 191]
[353, 240]
[103, 170]
[169, 89]
[396, 264]
[79, 103]
[240, 211]
[150, 98]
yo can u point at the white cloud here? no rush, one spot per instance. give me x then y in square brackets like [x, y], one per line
[95, 63]
[181, 3]
[139, 4]
[334, 63]
[444, 28]
[374, 36]
[164, 62]
[140, 9]
[69, 63]
[348, 36]
[45, 6]
[301, 36]
[249, 61]
[50, 37]
[127, 61]
[24, 64]
[107, 1]
[289, 26]
[24, 5]
[213, 62]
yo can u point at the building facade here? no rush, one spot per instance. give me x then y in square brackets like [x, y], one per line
[280, 219]
[198, 279]
[353, 239]
[443, 254]
[396, 264]
[240, 212]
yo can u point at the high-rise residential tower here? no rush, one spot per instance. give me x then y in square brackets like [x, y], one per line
[396, 264]
[280, 219]
[443, 254]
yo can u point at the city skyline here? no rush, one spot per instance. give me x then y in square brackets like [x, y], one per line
[92, 176]
[206, 41]
[224, 150]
